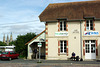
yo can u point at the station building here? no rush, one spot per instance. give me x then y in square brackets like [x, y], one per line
[72, 27]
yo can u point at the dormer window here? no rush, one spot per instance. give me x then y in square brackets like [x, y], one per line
[89, 24]
[62, 25]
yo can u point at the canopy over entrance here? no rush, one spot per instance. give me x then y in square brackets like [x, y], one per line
[33, 46]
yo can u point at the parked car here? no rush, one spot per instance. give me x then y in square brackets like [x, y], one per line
[9, 55]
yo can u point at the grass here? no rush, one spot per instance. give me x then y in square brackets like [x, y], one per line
[21, 56]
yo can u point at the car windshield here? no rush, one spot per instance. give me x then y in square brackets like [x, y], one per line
[4, 52]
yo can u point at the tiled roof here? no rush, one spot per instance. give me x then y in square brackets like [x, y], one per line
[71, 11]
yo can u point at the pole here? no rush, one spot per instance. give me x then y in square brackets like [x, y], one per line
[81, 39]
[39, 45]
[39, 53]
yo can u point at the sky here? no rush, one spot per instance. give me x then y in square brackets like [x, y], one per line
[20, 17]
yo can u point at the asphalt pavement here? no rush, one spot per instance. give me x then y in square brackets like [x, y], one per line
[48, 63]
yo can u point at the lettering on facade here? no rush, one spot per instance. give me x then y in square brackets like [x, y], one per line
[91, 33]
[61, 33]
[75, 31]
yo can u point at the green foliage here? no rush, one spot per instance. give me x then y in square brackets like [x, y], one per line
[20, 42]
[2, 43]
[12, 43]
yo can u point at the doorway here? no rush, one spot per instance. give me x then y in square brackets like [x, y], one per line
[90, 49]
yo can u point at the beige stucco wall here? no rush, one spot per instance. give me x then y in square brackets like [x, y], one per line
[73, 39]
[52, 28]
[53, 40]
[97, 28]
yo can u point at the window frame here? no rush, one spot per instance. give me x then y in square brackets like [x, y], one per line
[90, 46]
[64, 51]
[88, 26]
[63, 25]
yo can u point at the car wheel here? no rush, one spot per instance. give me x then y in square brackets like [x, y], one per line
[10, 59]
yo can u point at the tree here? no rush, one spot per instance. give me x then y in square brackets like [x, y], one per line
[20, 42]
[12, 43]
[2, 43]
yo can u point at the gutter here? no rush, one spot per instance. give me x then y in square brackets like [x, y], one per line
[81, 40]
[71, 20]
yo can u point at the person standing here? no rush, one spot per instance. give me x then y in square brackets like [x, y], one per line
[35, 52]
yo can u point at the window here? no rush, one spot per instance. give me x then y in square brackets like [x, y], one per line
[89, 24]
[11, 52]
[87, 48]
[93, 46]
[5, 53]
[62, 26]
[62, 46]
[90, 46]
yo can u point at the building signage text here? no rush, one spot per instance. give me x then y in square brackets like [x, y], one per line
[61, 33]
[75, 31]
[91, 33]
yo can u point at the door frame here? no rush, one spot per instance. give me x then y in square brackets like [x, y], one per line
[90, 52]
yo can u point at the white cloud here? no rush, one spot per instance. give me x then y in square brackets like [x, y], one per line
[20, 11]
[26, 27]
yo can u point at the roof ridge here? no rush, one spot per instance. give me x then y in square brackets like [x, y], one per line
[74, 2]
[70, 10]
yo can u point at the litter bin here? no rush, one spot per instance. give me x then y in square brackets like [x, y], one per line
[77, 58]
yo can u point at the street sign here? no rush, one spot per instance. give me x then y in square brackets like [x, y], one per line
[39, 44]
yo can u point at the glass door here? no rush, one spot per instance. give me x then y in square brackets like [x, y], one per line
[90, 51]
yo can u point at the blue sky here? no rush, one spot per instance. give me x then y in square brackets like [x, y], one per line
[21, 16]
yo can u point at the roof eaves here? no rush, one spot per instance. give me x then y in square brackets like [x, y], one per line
[43, 11]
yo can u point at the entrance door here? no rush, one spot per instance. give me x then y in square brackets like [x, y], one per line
[90, 50]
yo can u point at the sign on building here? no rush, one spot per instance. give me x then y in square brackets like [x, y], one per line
[91, 33]
[76, 31]
[39, 44]
[61, 33]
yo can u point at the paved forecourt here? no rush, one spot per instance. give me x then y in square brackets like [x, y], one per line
[45, 65]
[48, 63]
